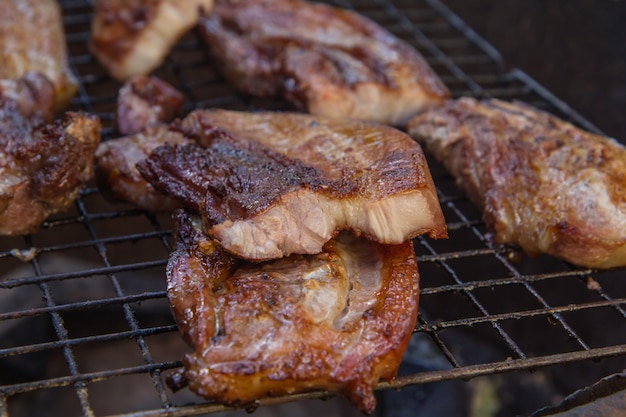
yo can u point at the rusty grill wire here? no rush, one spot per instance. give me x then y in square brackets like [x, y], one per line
[91, 282]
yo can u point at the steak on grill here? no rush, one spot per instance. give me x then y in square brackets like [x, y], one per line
[339, 320]
[272, 184]
[543, 184]
[42, 166]
[325, 60]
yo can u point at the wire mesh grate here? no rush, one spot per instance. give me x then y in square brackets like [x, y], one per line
[87, 292]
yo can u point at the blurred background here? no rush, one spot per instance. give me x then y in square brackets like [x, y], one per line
[575, 48]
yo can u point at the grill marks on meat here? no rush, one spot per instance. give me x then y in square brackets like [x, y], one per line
[32, 40]
[286, 183]
[133, 37]
[42, 166]
[339, 320]
[325, 60]
[543, 183]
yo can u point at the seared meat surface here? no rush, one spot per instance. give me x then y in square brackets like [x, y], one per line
[42, 166]
[325, 60]
[272, 184]
[32, 39]
[339, 320]
[133, 37]
[145, 101]
[542, 183]
[117, 175]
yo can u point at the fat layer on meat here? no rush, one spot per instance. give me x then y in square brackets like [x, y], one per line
[325, 60]
[339, 320]
[133, 37]
[42, 166]
[543, 184]
[272, 184]
[32, 39]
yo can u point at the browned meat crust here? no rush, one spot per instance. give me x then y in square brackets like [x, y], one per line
[241, 178]
[338, 321]
[116, 173]
[133, 37]
[543, 184]
[32, 39]
[325, 60]
[282, 183]
[42, 166]
[145, 101]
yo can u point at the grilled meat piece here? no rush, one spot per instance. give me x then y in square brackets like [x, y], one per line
[42, 166]
[117, 175]
[32, 39]
[272, 184]
[325, 60]
[145, 101]
[33, 94]
[133, 37]
[144, 105]
[542, 183]
[338, 321]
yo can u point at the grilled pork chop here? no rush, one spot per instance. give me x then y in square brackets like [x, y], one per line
[145, 101]
[133, 37]
[32, 39]
[543, 183]
[42, 166]
[338, 321]
[325, 60]
[272, 184]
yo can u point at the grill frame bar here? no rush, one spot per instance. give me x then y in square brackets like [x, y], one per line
[426, 23]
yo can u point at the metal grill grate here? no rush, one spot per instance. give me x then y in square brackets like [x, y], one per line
[91, 284]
